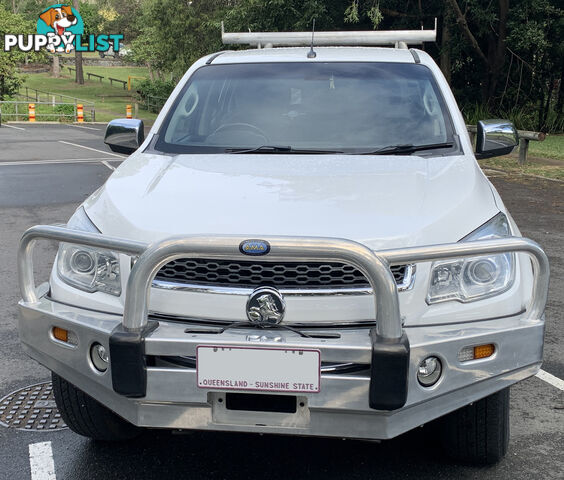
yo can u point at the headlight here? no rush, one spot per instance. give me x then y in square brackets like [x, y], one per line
[86, 268]
[474, 278]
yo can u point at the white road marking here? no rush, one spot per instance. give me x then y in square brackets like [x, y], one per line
[82, 126]
[11, 126]
[549, 378]
[93, 149]
[107, 165]
[41, 461]
[67, 160]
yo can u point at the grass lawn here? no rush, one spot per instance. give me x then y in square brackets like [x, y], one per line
[110, 101]
[121, 73]
[552, 147]
[511, 165]
[546, 159]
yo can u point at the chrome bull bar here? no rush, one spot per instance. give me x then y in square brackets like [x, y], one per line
[390, 345]
[373, 265]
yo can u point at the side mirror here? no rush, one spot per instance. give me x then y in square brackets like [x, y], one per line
[124, 135]
[495, 138]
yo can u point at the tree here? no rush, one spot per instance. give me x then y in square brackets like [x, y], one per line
[283, 15]
[501, 58]
[79, 73]
[494, 59]
[10, 79]
[90, 13]
[55, 66]
[173, 42]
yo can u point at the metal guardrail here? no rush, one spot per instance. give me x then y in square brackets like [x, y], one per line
[42, 96]
[374, 265]
[21, 110]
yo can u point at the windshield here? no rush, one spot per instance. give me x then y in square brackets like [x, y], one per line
[342, 107]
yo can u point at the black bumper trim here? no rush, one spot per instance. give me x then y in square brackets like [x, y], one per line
[127, 359]
[388, 372]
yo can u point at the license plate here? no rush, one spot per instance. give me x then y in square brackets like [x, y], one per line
[257, 368]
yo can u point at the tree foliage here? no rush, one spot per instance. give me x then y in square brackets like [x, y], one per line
[501, 57]
[10, 79]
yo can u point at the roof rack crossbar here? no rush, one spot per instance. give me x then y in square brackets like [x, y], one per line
[358, 38]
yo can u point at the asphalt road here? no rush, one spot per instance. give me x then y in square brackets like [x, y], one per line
[46, 171]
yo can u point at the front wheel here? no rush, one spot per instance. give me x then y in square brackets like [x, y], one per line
[87, 417]
[478, 433]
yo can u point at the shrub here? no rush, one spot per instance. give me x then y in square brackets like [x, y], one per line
[524, 118]
[153, 93]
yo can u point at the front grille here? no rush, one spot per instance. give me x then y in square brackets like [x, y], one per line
[252, 274]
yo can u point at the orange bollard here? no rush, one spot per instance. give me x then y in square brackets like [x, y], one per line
[79, 113]
[128, 111]
[31, 112]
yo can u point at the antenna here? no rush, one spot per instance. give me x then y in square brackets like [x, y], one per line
[311, 53]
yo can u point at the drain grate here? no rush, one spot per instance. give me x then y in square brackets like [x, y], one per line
[31, 408]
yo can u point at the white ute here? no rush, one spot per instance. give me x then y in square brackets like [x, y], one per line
[303, 244]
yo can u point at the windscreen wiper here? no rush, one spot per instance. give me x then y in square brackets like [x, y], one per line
[405, 149]
[279, 149]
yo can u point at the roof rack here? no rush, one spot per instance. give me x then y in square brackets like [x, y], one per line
[399, 38]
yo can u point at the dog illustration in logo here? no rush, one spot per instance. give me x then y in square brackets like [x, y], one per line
[59, 19]
[266, 312]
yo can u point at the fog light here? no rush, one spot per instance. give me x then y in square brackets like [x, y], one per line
[429, 371]
[99, 356]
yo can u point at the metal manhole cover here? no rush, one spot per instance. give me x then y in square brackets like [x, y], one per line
[31, 408]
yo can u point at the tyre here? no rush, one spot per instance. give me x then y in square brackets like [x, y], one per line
[87, 417]
[478, 433]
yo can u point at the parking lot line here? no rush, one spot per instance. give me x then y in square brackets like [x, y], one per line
[107, 164]
[41, 461]
[82, 126]
[549, 378]
[93, 149]
[11, 126]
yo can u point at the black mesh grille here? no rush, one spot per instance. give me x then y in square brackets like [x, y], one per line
[252, 274]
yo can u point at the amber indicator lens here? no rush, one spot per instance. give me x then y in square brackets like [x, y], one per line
[484, 351]
[61, 334]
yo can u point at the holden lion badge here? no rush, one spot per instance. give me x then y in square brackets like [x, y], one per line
[266, 306]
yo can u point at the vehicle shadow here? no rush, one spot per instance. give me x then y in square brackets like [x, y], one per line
[199, 455]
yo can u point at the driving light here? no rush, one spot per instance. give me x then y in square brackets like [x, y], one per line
[99, 357]
[475, 278]
[429, 371]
